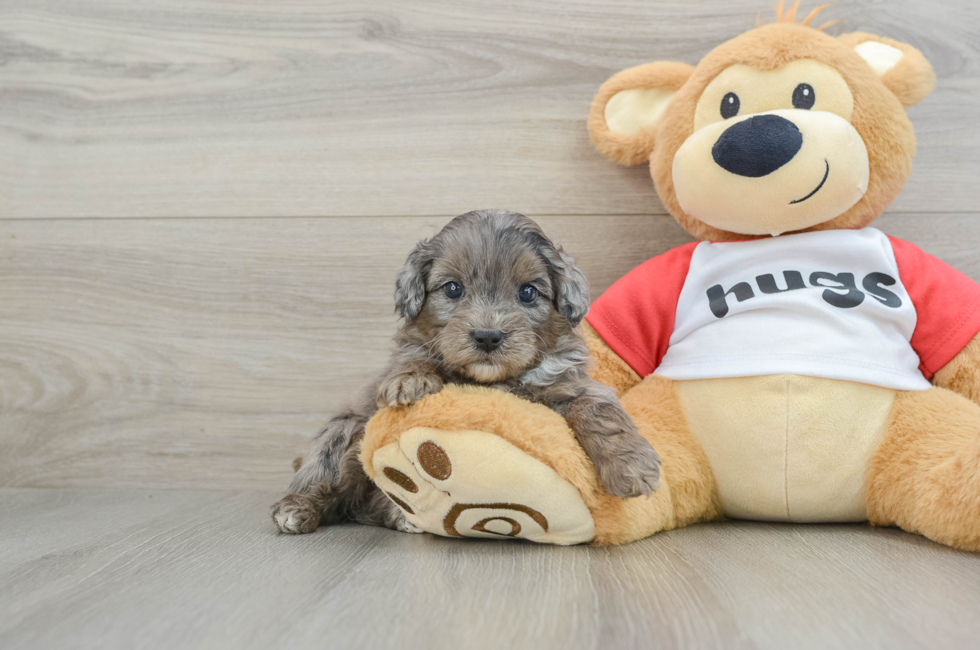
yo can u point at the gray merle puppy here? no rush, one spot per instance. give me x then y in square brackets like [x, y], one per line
[490, 301]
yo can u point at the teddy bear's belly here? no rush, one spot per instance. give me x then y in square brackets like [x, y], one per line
[788, 447]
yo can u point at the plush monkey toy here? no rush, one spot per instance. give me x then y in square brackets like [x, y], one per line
[795, 364]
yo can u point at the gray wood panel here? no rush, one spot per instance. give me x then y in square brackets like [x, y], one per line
[118, 108]
[182, 569]
[205, 352]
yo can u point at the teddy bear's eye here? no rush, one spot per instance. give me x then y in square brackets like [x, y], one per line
[803, 97]
[730, 105]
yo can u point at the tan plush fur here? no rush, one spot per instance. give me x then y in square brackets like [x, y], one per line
[879, 114]
[925, 476]
[532, 428]
[962, 374]
[542, 434]
[654, 406]
[788, 447]
[607, 367]
[633, 149]
[912, 78]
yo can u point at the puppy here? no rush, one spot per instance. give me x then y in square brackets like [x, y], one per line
[491, 301]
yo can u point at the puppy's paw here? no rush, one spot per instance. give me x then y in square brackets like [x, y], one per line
[635, 471]
[296, 514]
[405, 526]
[408, 388]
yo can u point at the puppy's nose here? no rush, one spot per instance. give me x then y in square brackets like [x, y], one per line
[487, 340]
[757, 146]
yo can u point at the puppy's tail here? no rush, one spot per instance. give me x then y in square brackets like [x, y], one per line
[297, 463]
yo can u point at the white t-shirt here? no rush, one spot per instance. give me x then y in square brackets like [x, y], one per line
[840, 304]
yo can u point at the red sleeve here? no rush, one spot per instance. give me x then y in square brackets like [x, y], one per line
[947, 305]
[635, 316]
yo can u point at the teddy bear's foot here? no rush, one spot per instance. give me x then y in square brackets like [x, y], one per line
[925, 475]
[475, 484]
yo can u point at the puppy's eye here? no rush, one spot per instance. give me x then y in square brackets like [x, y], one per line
[454, 290]
[527, 293]
[730, 104]
[803, 97]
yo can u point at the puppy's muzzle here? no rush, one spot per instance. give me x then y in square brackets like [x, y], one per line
[488, 340]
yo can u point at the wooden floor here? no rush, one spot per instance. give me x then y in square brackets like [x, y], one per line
[202, 208]
[195, 569]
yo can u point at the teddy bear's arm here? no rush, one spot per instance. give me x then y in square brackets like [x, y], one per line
[608, 368]
[962, 374]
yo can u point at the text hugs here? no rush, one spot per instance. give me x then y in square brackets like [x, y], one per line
[840, 289]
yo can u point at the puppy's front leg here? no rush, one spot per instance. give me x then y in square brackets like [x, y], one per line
[626, 463]
[408, 382]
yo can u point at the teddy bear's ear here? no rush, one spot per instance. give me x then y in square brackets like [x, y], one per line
[628, 107]
[902, 68]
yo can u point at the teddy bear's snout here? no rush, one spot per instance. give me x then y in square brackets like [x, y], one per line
[757, 146]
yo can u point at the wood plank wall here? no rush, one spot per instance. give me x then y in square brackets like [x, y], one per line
[203, 204]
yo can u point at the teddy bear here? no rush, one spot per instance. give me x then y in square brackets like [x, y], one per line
[792, 364]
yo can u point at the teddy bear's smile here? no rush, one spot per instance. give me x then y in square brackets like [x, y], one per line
[748, 165]
[757, 174]
[762, 144]
[817, 189]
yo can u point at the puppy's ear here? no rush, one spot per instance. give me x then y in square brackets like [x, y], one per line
[901, 67]
[628, 107]
[571, 287]
[410, 284]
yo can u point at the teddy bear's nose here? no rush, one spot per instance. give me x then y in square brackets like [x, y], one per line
[757, 146]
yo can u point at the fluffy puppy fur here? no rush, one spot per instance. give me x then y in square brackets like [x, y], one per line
[489, 301]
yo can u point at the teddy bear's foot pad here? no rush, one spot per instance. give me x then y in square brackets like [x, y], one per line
[475, 484]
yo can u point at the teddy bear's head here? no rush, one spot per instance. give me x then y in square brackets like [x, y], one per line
[782, 129]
